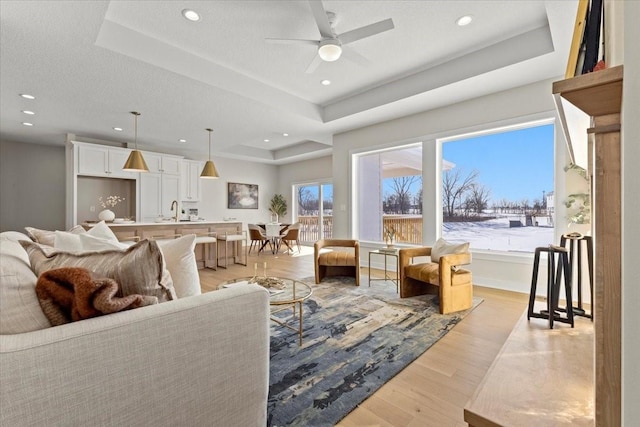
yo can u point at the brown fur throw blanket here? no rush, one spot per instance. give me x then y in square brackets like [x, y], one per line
[72, 293]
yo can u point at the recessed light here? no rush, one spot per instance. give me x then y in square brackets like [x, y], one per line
[464, 20]
[191, 15]
[266, 140]
[27, 124]
[285, 134]
[31, 113]
[27, 96]
[118, 129]
[182, 140]
[326, 82]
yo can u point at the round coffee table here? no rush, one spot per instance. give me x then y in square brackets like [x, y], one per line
[293, 293]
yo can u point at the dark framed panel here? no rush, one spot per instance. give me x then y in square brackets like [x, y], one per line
[242, 196]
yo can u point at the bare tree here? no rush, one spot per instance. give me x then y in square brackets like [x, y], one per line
[306, 202]
[402, 191]
[418, 201]
[454, 186]
[478, 198]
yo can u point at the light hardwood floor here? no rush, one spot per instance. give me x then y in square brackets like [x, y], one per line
[433, 390]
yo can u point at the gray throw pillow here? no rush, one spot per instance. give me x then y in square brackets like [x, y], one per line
[139, 270]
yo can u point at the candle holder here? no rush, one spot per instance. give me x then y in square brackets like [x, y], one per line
[264, 280]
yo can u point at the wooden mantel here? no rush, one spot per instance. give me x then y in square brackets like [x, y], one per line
[599, 94]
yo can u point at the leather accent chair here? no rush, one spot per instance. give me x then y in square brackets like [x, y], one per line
[453, 285]
[337, 262]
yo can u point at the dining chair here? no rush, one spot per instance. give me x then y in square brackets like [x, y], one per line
[258, 238]
[290, 236]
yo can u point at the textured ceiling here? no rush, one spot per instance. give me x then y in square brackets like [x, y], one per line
[90, 63]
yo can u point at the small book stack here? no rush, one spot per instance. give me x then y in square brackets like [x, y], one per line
[389, 250]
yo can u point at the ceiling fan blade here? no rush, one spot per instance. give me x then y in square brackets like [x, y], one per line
[314, 64]
[321, 18]
[292, 41]
[351, 55]
[366, 31]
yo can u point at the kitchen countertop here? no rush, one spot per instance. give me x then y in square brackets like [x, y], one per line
[138, 224]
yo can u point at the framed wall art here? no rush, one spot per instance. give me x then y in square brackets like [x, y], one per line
[242, 196]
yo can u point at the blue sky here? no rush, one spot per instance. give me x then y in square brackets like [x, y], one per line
[515, 165]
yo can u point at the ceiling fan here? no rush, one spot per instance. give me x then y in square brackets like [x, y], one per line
[330, 44]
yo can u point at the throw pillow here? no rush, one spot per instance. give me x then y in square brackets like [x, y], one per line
[138, 270]
[20, 311]
[442, 247]
[46, 237]
[13, 236]
[102, 231]
[91, 243]
[181, 263]
[85, 242]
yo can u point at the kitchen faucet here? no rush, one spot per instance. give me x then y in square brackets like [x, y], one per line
[175, 203]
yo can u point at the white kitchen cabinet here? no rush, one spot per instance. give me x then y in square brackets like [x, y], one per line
[157, 192]
[103, 161]
[162, 163]
[191, 190]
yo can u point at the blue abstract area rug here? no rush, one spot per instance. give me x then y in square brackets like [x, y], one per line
[355, 339]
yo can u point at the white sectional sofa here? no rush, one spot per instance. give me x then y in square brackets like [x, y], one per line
[197, 361]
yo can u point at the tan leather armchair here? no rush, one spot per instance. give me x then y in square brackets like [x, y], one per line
[453, 285]
[337, 263]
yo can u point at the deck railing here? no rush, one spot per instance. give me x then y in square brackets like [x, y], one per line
[310, 230]
[408, 228]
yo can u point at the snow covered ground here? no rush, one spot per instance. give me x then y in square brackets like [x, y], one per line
[496, 235]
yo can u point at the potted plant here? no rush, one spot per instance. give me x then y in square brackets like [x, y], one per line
[278, 206]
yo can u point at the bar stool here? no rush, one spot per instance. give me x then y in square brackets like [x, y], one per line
[577, 241]
[208, 239]
[554, 276]
[234, 237]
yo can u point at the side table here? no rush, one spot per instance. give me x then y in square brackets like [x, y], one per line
[386, 253]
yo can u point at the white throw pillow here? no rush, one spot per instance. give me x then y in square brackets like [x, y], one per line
[14, 236]
[92, 243]
[19, 307]
[180, 259]
[98, 238]
[102, 231]
[442, 247]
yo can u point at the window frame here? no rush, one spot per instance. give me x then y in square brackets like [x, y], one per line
[432, 179]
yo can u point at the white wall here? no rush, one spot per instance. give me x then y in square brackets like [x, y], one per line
[32, 186]
[301, 172]
[214, 191]
[631, 217]
[528, 102]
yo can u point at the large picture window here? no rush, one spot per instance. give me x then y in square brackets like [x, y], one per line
[389, 194]
[497, 189]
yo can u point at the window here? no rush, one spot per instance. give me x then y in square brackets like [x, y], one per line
[389, 194]
[497, 189]
[314, 210]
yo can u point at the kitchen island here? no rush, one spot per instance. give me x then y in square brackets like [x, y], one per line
[135, 231]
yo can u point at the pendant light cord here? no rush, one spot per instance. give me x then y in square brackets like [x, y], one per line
[135, 128]
[209, 130]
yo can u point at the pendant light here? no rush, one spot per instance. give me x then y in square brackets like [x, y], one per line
[135, 162]
[209, 171]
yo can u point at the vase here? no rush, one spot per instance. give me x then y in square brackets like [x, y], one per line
[106, 215]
